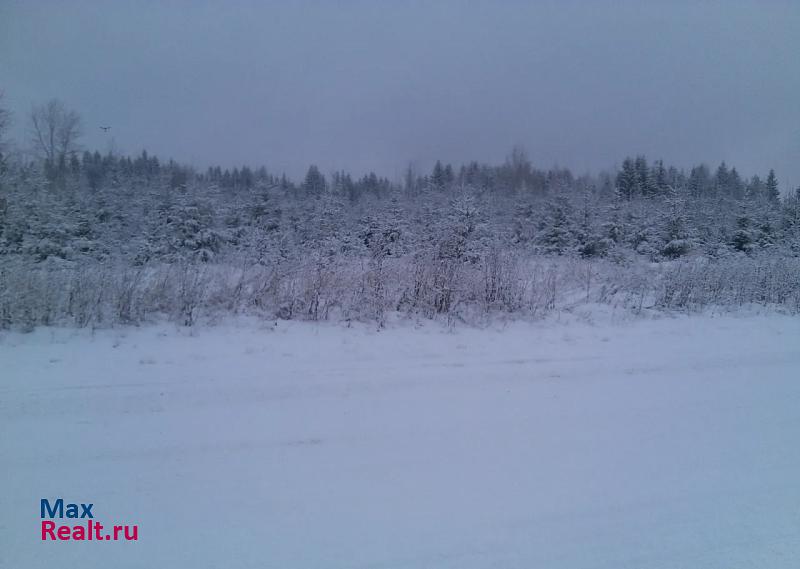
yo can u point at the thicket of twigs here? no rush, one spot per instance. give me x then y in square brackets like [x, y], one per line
[415, 286]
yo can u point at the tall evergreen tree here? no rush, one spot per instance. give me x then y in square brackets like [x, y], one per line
[660, 178]
[644, 180]
[772, 191]
[439, 176]
[699, 181]
[627, 180]
[314, 183]
[722, 180]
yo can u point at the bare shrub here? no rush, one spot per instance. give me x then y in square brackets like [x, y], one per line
[338, 287]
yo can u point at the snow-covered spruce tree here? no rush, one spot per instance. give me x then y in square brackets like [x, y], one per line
[557, 232]
[627, 183]
[674, 231]
[523, 230]
[314, 184]
[773, 194]
[743, 238]
[590, 237]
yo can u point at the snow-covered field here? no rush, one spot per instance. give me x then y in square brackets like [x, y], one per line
[663, 443]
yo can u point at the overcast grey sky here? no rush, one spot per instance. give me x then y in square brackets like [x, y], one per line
[375, 85]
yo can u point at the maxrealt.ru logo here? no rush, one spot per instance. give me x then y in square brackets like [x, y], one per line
[88, 530]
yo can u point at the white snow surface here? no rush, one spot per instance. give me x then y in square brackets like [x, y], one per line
[659, 443]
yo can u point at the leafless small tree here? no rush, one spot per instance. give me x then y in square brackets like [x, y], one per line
[55, 131]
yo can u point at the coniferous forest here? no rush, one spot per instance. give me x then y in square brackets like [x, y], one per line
[97, 239]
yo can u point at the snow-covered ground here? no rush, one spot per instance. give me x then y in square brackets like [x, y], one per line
[663, 443]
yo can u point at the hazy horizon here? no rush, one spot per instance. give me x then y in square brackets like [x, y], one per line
[375, 86]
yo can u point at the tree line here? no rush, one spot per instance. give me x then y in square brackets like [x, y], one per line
[67, 208]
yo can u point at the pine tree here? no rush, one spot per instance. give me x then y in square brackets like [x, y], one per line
[743, 237]
[438, 176]
[644, 181]
[557, 232]
[699, 181]
[590, 242]
[754, 189]
[449, 176]
[735, 185]
[722, 180]
[772, 192]
[674, 229]
[627, 180]
[314, 183]
[660, 178]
